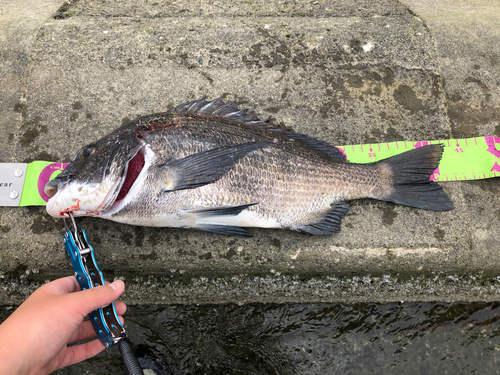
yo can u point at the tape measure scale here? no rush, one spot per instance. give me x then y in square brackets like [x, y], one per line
[463, 159]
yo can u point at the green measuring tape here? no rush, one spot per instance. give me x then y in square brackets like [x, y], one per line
[463, 159]
[22, 184]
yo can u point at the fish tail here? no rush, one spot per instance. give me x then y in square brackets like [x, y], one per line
[411, 186]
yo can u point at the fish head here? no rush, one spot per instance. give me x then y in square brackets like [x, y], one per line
[99, 175]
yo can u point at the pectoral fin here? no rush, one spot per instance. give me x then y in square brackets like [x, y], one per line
[205, 167]
[206, 213]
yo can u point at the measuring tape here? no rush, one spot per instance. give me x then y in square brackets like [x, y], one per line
[476, 158]
[21, 184]
[463, 159]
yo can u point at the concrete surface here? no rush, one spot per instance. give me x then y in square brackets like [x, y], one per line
[343, 71]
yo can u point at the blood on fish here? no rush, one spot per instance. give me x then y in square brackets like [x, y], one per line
[76, 207]
[157, 125]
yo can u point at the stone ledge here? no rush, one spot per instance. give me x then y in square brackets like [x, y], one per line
[332, 70]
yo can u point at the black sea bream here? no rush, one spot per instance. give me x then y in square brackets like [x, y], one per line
[210, 166]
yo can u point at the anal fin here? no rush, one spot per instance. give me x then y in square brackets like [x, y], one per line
[330, 223]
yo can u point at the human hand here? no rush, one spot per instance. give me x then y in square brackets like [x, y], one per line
[35, 338]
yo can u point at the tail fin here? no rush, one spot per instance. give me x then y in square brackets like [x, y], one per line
[410, 172]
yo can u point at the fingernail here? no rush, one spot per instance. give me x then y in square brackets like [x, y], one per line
[117, 285]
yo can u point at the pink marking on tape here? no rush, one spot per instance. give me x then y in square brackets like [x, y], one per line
[420, 144]
[490, 141]
[436, 172]
[45, 175]
[495, 168]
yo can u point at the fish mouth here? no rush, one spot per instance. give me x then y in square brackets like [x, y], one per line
[51, 187]
[131, 171]
[57, 183]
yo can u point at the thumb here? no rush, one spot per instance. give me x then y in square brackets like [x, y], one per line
[91, 299]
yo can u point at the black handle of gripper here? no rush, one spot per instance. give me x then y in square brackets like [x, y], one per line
[127, 352]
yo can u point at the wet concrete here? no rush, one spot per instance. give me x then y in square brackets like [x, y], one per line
[344, 72]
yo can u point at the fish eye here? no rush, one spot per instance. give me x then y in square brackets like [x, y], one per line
[86, 152]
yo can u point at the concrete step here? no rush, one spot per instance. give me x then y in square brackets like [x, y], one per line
[344, 72]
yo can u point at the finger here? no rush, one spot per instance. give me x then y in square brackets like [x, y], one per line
[64, 285]
[78, 353]
[120, 307]
[83, 332]
[91, 299]
[86, 331]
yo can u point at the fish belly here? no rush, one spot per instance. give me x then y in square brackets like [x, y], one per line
[188, 219]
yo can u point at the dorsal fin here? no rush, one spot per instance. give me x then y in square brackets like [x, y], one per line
[321, 146]
[231, 111]
[218, 108]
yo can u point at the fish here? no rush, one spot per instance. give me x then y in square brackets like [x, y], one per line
[210, 166]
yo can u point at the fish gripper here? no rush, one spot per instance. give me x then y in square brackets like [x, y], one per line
[105, 320]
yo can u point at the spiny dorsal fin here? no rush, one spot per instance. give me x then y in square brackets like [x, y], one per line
[231, 111]
[218, 108]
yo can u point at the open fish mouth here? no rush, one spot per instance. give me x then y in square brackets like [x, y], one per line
[63, 190]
